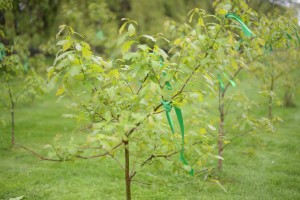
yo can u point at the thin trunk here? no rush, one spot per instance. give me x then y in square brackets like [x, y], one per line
[12, 112]
[288, 99]
[221, 129]
[127, 174]
[271, 98]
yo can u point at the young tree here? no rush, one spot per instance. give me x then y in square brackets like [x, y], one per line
[273, 68]
[20, 83]
[237, 53]
[123, 100]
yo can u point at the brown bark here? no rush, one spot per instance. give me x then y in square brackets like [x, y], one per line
[271, 98]
[221, 128]
[12, 112]
[127, 174]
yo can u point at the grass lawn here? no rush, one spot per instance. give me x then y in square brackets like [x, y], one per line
[272, 172]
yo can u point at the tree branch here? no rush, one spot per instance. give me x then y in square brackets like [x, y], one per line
[117, 161]
[128, 84]
[37, 154]
[198, 66]
[146, 77]
[240, 135]
[101, 155]
[166, 156]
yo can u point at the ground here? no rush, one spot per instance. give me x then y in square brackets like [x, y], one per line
[272, 171]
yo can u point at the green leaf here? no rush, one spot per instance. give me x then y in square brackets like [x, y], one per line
[191, 17]
[222, 11]
[114, 73]
[131, 30]
[60, 91]
[122, 28]
[149, 37]
[61, 29]
[67, 45]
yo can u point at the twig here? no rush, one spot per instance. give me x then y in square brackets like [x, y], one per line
[117, 161]
[146, 77]
[129, 87]
[166, 156]
[101, 155]
[37, 154]
[236, 137]
[84, 106]
[161, 86]
[132, 175]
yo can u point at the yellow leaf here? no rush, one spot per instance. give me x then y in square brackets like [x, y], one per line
[222, 12]
[200, 21]
[67, 45]
[114, 73]
[202, 131]
[177, 41]
[60, 91]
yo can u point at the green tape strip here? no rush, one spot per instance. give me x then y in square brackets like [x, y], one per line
[168, 107]
[221, 83]
[26, 66]
[2, 51]
[233, 84]
[295, 30]
[244, 27]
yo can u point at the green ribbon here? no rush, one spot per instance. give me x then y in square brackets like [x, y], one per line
[295, 30]
[100, 35]
[26, 65]
[268, 48]
[222, 86]
[221, 83]
[2, 51]
[233, 84]
[168, 107]
[244, 27]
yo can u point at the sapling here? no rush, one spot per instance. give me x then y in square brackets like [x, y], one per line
[250, 45]
[20, 83]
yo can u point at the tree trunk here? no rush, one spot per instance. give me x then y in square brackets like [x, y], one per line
[12, 112]
[221, 129]
[127, 174]
[271, 98]
[289, 99]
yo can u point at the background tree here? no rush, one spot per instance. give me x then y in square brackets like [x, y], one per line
[20, 84]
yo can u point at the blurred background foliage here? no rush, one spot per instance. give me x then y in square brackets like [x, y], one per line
[30, 25]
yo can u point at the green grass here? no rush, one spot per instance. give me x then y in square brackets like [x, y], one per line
[272, 172]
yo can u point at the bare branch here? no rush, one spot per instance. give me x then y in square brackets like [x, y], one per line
[166, 156]
[146, 77]
[101, 155]
[128, 84]
[240, 135]
[161, 86]
[132, 174]
[37, 154]
[117, 161]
